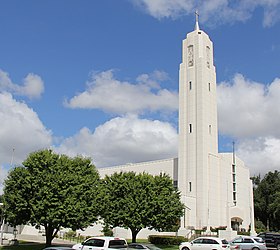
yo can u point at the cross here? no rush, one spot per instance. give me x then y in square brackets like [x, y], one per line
[196, 16]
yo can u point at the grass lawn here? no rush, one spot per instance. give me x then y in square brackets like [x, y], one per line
[174, 247]
[24, 246]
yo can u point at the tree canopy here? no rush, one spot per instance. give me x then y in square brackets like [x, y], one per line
[138, 201]
[267, 200]
[52, 191]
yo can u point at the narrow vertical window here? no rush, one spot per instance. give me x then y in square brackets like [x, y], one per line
[210, 129]
[190, 186]
[190, 85]
[234, 197]
[209, 86]
[190, 55]
[190, 128]
[208, 56]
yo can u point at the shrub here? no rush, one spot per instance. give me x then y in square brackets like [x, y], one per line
[216, 229]
[243, 233]
[166, 240]
[107, 230]
[70, 234]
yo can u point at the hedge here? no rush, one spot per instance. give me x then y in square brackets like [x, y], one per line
[166, 240]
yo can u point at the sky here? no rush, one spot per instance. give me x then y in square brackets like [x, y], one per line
[100, 78]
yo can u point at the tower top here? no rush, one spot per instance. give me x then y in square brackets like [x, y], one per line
[196, 27]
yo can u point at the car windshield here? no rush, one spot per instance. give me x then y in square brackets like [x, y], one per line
[237, 240]
[117, 244]
[94, 243]
[259, 240]
[197, 241]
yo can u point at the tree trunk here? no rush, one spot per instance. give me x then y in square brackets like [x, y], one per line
[49, 235]
[134, 234]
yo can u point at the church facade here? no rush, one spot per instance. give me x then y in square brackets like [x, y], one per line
[215, 187]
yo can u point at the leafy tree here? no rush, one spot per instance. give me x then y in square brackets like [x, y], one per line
[259, 226]
[256, 180]
[274, 210]
[52, 191]
[140, 201]
[267, 200]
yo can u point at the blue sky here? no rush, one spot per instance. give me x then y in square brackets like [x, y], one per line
[100, 78]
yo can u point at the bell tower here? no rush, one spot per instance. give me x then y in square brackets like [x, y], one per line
[198, 136]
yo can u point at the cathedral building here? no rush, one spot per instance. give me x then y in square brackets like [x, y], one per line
[215, 187]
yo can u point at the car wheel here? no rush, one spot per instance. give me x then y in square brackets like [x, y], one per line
[255, 248]
[185, 248]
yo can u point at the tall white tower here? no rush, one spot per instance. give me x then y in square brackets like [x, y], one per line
[198, 139]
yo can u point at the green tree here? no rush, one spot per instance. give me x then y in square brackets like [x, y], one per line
[274, 210]
[138, 201]
[52, 191]
[266, 200]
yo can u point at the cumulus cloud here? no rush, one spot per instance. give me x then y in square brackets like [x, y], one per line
[124, 140]
[261, 154]
[113, 96]
[21, 129]
[32, 87]
[214, 11]
[249, 112]
[165, 8]
[249, 109]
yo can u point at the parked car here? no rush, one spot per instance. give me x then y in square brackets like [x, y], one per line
[101, 243]
[248, 243]
[272, 240]
[137, 246]
[58, 248]
[205, 243]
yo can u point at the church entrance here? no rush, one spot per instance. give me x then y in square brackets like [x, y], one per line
[236, 222]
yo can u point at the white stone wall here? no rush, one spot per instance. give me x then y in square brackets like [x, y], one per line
[152, 167]
[243, 207]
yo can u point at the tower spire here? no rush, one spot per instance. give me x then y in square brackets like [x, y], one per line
[196, 27]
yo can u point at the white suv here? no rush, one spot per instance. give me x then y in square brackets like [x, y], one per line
[205, 243]
[101, 243]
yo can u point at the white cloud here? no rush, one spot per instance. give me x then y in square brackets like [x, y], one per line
[165, 8]
[111, 95]
[124, 140]
[249, 112]
[214, 11]
[260, 154]
[249, 109]
[33, 85]
[20, 129]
